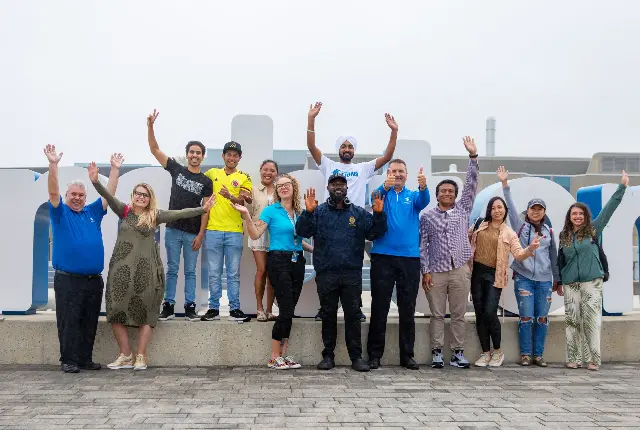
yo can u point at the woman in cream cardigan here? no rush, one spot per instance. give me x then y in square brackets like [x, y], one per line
[491, 244]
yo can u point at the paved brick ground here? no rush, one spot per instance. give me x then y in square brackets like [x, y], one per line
[509, 397]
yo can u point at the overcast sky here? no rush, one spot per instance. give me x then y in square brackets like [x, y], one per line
[562, 78]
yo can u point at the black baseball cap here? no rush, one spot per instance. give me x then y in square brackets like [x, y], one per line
[336, 176]
[232, 146]
[539, 202]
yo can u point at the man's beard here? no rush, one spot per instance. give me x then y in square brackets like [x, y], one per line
[337, 198]
[345, 157]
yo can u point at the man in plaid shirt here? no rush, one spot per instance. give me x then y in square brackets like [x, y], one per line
[444, 254]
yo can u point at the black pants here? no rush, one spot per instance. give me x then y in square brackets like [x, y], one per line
[78, 302]
[404, 272]
[485, 302]
[286, 278]
[344, 287]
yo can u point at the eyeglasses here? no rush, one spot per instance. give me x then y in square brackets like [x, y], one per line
[285, 185]
[139, 194]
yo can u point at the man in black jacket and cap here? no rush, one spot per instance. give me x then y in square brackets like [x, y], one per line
[339, 229]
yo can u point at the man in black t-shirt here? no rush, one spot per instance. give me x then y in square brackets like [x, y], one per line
[188, 187]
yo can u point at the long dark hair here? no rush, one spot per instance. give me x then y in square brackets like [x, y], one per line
[487, 215]
[585, 230]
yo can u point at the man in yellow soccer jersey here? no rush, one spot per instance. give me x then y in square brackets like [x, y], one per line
[223, 238]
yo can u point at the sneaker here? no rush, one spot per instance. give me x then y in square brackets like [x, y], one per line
[238, 316]
[122, 362]
[437, 359]
[458, 360]
[190, 313]
[277, 363]
[167, 312]
[363, 317]
[359, 365]
[292, 363]
[484, 360]
[496, 358]
[211, 315]
[327, 363]
[141, 362]
[318, 316]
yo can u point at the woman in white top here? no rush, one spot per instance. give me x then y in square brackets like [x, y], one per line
[262, 196]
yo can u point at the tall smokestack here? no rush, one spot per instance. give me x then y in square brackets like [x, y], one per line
[491, 137]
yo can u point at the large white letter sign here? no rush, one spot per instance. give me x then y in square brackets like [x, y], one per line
[617, 241]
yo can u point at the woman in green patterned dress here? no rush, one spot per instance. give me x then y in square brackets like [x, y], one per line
[135, 283]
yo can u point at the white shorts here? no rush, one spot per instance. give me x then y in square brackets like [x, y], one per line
[262, 244]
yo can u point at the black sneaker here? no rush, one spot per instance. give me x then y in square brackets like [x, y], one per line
[409, 363]
[359, 365]
[90, 366]
[327, 363]
[190, 312]
[211, 315]
[69, 368]
[363, 317]
[167, 312]
[374, 363]
[319, 315]
[238, 316]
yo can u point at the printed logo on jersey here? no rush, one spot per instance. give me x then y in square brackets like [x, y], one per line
[345, 174]
[189, 185]
[352, 221]
[235, 183]
[407, 200]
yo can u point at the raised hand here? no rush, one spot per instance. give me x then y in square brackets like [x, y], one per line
[535, 243]
[470, 145]
[52, 156]
[209, 203]
[391, 122]
[314, 110]
[93, 172]
[241, 208]
[503, 175]
[378, 202]
[151, 119]
[310, 201]
[390, 182]
[422, 179]
[624, 181]
[116, 160]
[224, 192]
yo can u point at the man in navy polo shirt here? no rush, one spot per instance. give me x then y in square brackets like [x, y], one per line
[78, 258]
[395, 261]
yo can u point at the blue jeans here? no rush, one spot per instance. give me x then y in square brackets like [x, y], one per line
[174, 241]
[534, 301]
[223, 247]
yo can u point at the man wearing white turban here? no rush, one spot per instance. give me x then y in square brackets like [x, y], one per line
[357, 174]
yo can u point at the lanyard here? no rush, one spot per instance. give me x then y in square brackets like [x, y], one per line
[292, 220]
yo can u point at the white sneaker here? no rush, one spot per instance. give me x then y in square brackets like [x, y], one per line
[277, 363]
[484, 360]
[141, 362]
[496, 359]
[122, 362]
[292, 363]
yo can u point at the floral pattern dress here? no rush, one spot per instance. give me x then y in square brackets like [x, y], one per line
[136, 281]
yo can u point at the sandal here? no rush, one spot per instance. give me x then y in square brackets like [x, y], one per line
[573, 365]
[271, 317]
[539, 361]
[593, 366]
[525, 360]
[262, 317]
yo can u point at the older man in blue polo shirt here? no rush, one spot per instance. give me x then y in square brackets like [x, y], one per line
[395, 261]
[78, 258]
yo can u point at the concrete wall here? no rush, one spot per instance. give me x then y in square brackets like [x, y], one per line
[33, 340]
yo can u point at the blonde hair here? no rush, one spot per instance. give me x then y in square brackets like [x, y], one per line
[148, 217]
[295, 196]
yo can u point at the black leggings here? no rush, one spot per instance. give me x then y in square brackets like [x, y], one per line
[286, 278]
[485, 302]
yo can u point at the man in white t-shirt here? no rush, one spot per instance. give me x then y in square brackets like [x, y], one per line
[357, 174]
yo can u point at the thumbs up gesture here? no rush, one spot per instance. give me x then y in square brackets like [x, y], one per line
[390, 182]
[422, 180]
[535, 243]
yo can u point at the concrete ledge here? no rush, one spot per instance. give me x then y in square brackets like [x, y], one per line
[33, 339]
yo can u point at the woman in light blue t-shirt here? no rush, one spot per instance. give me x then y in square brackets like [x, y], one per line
[285, 262]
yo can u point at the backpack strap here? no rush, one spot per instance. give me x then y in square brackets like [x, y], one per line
[520, 231]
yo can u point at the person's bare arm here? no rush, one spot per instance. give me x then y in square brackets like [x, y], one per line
[114, 174]
[391, 146]
[255, 230]
[153, 143]
[52, 181]
[197, 242]
[314, 110]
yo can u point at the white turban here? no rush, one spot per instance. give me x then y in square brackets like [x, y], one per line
[343, 139]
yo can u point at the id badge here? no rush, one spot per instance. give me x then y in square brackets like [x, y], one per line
[294, 257]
